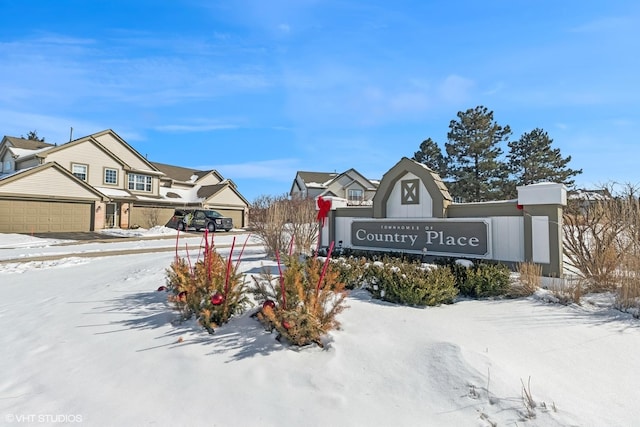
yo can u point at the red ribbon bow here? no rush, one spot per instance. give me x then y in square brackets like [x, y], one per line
[324, 206]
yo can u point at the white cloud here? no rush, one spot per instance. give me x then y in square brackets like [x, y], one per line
[284, 28]
[455, 89]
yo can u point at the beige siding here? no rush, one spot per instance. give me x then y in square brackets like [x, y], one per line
[349, 181]
[148, 217]
[50, 183]
[226, 197]
[209, 179]
[36, 217]
[344, 180]
[122, 152]
[87, 153]
[338, 187]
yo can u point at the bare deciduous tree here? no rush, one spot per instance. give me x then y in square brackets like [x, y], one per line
[601, 236]
[276, 220]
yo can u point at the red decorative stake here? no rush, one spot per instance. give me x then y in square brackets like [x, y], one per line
[283, 290]
[217, 298]
[324, 268]
[162, 288]
[182, 295]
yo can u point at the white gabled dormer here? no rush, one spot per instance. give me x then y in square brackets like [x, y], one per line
[14, 152]
[7, 163]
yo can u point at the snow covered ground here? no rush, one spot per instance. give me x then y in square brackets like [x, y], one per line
[89, 340]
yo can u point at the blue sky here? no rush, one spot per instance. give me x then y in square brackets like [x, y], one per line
[261, 89]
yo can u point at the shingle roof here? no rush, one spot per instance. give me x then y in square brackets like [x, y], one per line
[179, 173]
[316, 177]
[27, 144]
[207, 191]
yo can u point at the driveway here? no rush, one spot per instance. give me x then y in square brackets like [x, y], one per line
[75, 235]
[97, 236]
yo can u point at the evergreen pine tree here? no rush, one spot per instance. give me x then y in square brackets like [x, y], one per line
[33, 136]
[431, 156]
[473, 150]
[532, 160]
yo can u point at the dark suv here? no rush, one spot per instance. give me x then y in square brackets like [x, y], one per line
[199, 219]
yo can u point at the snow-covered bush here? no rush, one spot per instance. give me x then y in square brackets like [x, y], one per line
[410, 283]
[351, 270]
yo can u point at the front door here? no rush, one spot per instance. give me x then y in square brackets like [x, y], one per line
[112, 215]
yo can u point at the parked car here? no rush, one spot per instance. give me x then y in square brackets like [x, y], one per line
[183, 219]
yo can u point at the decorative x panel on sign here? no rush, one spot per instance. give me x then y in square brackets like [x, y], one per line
[409, 192]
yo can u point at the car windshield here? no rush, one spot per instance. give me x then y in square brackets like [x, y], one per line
[213, 214]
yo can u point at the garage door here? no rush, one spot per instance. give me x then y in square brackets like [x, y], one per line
[41, 217]
[236, 215]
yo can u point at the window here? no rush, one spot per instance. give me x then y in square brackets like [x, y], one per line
[110, 176]
[355, 195]
[410, 192]
[139, 182]
[7, 166]
[80, 171]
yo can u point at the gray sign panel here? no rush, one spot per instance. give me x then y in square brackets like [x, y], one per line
[441, 237]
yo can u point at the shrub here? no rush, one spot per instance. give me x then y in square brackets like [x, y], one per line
[486, 280]
[458, 269]
[530, 278]
[351, 270]
[410, 283]
[628, 291]
[212, 290]
[568, 290]
[303, 302]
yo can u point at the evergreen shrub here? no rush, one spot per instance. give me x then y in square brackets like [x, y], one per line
[410, 283]
[486, 280]
[211, 289]
[302, 303]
